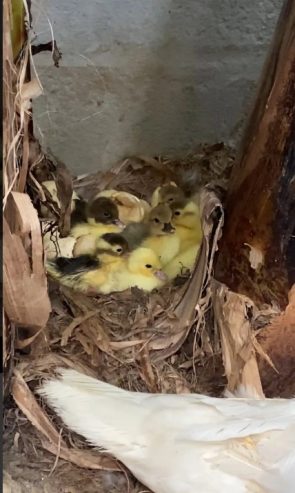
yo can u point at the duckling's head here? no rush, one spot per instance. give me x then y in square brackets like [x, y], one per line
[184, 213]
[103, 210]
[145, 262]
[170, 193]
[113, 242]
[160, 220]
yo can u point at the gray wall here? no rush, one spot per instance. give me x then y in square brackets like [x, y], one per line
[147, 76]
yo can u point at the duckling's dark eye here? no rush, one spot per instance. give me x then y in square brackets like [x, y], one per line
[177, 213]
[171, 199]
[119, 250]
[148, 266]
[156, 220]
[106, 214]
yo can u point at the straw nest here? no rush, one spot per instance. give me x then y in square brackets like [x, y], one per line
[161, 342]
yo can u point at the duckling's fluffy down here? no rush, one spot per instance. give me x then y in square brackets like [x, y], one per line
[109, 273]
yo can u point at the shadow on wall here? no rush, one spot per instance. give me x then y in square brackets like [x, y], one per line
[162, 76]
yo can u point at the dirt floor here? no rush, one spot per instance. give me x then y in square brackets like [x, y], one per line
[30, 469]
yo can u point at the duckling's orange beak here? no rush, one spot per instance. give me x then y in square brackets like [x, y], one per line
[159, 274]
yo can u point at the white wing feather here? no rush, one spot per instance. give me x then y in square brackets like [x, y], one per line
[183, 443]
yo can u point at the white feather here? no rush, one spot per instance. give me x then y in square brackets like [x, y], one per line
[183, 443]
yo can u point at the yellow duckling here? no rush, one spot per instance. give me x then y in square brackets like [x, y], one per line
[187, 223]
[131, 208]
[167, 194]
[92, 275]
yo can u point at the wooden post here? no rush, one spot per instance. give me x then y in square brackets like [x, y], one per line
[256, 257]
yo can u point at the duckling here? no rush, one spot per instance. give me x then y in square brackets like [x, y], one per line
[93, 275]
[161, 238]
[102, 217]
[108, 243]
[109, 251]
[156, 233]
[90, 222]
[157, 223]
[187, 222]
[131, 208]
[186, 442]
[103, 210]
[167, 194]
[114, 242]
[188, 229]
[100, 210]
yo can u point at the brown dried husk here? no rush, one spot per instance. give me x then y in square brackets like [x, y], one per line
[26, 301]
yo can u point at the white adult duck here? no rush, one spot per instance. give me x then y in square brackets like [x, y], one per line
[183, 443]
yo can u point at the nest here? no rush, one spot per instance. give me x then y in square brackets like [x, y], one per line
[165, 341]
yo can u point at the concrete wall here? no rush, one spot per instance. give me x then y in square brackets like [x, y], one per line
[147, 76]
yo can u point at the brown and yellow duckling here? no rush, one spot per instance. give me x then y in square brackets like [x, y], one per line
[157, 233]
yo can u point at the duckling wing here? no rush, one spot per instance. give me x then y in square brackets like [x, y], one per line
[64, 267]
[84, 273]
[76, 265]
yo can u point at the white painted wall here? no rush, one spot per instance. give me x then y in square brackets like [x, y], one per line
[147, 76]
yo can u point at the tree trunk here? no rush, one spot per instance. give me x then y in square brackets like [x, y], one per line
[257, 251]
